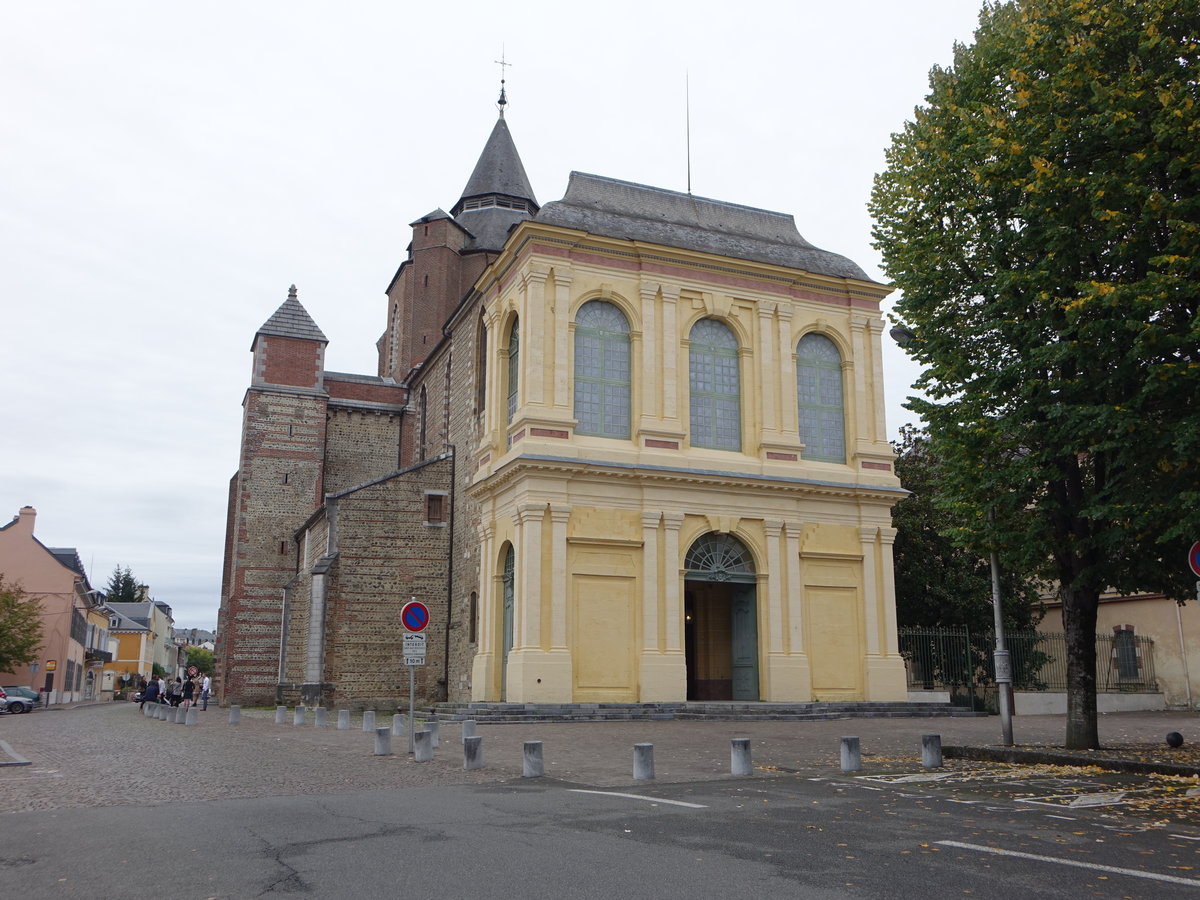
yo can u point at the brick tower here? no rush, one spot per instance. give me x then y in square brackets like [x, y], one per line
[280, 480]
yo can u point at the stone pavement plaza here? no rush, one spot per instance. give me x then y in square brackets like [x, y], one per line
[111, 754]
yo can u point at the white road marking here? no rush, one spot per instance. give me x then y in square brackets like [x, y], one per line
[1079, 864]
[1066, 818]
[1186, 837]
[640, 797]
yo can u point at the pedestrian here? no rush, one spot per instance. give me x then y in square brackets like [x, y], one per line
[189, 693]
[149, 693]
[176, 691]
[162, 689]
[205, 689]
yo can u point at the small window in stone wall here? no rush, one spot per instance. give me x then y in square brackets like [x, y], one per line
[473, 619]
[435, 509]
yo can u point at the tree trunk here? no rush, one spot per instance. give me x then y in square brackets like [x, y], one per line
[1079, 623]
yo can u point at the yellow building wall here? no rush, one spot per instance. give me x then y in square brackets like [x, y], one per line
[601, 527]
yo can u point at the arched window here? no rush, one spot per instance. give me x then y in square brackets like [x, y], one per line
[602, 370]
[424, 424]
[481, 368]
[819, 388]
[715, 384]
[719, 557]
[514, 366]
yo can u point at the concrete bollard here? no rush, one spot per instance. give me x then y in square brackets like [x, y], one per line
[931, 750]
[147, 709]
[532, 765]
[468, 729]
[851, 755]
[343, 720]
[368, 720]
[156, 711]
[434, 732]
[473, 752]
[298, 717]
[280, 715]
[643, 762]
[398, 721]
[172, 712]
[181, 715]
[739, 756]
[383, 742]
[422, 746]
[235, 715]
[193, 716]
[321, 717]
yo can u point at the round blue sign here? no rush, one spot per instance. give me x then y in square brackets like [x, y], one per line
[1194, 558]
[415, 615]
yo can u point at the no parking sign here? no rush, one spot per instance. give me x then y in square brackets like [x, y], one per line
[414, 616]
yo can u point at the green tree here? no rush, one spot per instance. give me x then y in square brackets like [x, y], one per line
[20, 627]
[1041, 215]
[122, 586]
[938, 582]
[201, 658]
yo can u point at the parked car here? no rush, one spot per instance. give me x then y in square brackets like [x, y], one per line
[20, 699]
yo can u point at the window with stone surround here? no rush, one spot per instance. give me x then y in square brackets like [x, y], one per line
[602, 370]
[435, 508]
[715, 388]
[819, 391]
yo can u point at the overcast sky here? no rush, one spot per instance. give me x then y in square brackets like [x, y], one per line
[167, 170]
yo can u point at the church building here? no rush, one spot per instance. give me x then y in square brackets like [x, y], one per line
[628, 446]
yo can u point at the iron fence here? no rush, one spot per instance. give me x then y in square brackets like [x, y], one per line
[955, 660]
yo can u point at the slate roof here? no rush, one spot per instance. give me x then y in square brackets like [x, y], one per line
[623, 209]
[292, 320]
[499, 180]
[498, 171]
[68, 557]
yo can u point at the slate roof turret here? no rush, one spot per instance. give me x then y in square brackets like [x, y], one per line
[498, 193]
[292, 320]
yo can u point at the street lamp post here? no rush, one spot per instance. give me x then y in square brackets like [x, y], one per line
[1001, 657]
[903, 335]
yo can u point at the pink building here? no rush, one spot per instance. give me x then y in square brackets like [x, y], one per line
[73, 652]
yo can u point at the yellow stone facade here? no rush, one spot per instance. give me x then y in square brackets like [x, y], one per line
[599, 604]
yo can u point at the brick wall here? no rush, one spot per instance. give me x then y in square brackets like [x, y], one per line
[278, 485]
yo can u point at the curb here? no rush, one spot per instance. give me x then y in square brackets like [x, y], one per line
[1058, 758]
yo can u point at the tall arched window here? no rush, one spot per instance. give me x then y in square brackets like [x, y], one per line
[819, 388]
[481, 349]
[514, 366]
[424, 424]
[715, 385]
[602, 370]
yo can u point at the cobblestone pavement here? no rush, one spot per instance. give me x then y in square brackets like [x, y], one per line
[110, 754]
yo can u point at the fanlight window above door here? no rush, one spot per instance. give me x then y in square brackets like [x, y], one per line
[719, 557]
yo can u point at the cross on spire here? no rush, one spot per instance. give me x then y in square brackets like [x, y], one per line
[503, 63]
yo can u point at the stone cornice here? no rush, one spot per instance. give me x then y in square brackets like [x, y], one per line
[586, 469]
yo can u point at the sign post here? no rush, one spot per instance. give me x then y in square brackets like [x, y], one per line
[415, 617]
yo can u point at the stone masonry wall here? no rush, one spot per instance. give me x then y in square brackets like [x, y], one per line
[386, 555]
[453, 424]
[279, 484]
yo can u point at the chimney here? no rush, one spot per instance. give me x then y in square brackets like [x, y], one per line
[24, 520]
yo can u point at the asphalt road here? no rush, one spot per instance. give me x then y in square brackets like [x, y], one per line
[328, 822]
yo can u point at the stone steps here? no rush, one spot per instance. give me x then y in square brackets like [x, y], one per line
[513, 713]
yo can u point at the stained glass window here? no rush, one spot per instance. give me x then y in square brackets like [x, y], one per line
[602, 370]
[715, 387]
[514, 366]
[819, 387]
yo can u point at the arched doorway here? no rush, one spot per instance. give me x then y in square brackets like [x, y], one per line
[720, 620]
